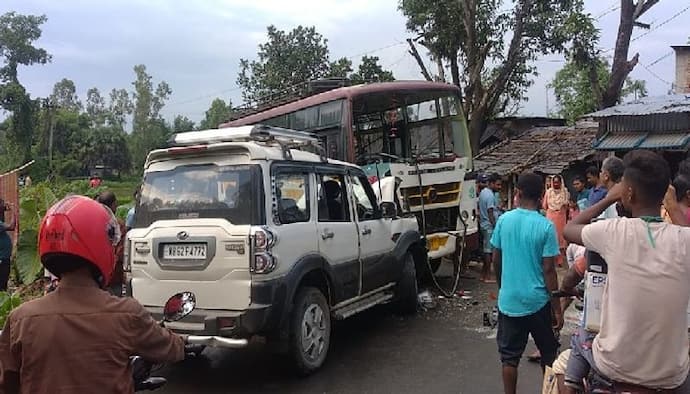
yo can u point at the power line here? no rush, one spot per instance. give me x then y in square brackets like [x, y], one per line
[660, 59]
[655, 75]
[656, 27]
[603, 14]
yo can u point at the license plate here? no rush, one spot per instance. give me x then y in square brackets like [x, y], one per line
[184, 251]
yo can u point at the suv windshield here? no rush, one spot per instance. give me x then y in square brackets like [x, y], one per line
[202, 191]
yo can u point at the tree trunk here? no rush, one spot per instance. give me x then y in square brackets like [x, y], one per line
[477, 125]
[455, 70]
[621, 67]
[441, 70]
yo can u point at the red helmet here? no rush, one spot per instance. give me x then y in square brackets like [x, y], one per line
[81, 227]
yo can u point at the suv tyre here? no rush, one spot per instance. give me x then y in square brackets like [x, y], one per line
[310, 330]
[406, 289]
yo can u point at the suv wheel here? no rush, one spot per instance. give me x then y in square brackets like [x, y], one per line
[406, 290]
[310, 330]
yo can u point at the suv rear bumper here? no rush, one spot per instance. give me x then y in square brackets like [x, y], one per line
[263, 316]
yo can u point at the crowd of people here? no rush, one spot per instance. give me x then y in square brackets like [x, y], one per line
[633, 216]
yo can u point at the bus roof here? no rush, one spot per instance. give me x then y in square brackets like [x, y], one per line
[348, 92]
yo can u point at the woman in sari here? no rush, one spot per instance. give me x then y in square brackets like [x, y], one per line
[556, 202]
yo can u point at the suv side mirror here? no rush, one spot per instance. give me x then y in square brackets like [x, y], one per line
[388, 210]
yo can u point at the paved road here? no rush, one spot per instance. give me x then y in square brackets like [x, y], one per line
[441, 350]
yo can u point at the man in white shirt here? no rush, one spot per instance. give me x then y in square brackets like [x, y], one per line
[643, 341]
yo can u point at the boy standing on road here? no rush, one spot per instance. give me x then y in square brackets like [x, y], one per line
[488, 212]
[525, 245]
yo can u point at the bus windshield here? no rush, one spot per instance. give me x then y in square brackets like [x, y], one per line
[432, 129]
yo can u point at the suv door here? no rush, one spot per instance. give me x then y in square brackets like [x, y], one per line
[375, 236]
[337, 233]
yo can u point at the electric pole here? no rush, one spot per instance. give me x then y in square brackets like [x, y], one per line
[50, 107]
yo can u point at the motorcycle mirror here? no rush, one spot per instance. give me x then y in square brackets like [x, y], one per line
[179, 306]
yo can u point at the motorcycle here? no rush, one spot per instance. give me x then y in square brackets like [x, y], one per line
[176, 308]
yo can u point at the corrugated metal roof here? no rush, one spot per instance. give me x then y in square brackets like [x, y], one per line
[620, 141]
[648, 106]
[665, 141]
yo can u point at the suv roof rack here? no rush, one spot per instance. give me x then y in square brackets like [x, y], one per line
[286, 138]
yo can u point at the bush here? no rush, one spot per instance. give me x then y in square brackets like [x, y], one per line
[7, 303]
[33, 203]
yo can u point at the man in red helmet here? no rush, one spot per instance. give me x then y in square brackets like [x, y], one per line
[78, 338]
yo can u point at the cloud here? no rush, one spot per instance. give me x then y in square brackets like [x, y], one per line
[195, 46]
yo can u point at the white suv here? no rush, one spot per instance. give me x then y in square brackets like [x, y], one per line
[273, 240]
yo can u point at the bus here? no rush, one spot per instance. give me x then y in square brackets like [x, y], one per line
[411, 139]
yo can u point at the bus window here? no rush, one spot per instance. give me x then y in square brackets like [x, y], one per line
[425, 140]
[330, 114]
[422, 111]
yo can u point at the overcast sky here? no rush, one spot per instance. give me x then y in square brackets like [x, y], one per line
[196, 45]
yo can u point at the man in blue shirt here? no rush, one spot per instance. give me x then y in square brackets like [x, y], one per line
[525, 245]
[5, 246]
[488, 213]
[598, 190]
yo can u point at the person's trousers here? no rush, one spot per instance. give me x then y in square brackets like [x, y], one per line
[4, 274]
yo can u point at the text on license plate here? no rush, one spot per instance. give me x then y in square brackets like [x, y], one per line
[184, 251]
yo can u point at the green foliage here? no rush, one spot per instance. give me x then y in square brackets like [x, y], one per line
[218, 113]
[573, 90]
[65, 95]
[33, 204]
[371, 71]
[17, 36]
[289, 60]
[7, 303]
[150, 131]
[341, 68]
[95, 107]
[575, 93]
[181, 124]
[285, 62]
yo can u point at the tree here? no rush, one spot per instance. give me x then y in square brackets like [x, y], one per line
[636, 88]
[149, 130]
[147, 102]
[17, 36]
[65, 95]
[182, 123]
[218, 113]
[586, 53]
[574, 93]
[107, 146]
[286, 62]
[494, 47]
[371, 71]
[119, 108]
[95, 107]
[341, 68]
